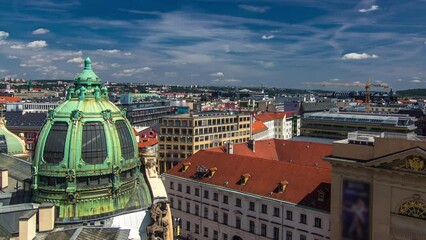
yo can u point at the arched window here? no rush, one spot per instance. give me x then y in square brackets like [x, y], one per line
[94, 148]
[54, 147]
[413, 208]
[126, 140]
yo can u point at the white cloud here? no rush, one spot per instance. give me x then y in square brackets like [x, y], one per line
[12, 57]
[416, 81]
[399, 80]
[267, 37]
[110, 51]
[17, 46]
[230, 80]
[41, 31]
[335, 79]
[37, 44]
[3, 70]
[3, 35]
[217, 74]
[251, 8]
[75, 60]
[371, 9]
[358, 56]
[146, 69]
[131, 72]
[265, 64]
[115, 65]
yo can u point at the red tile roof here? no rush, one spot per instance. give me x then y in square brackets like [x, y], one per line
[269, 116]
[5, 99]
[297, 152]
[147, 142]
[258, 126]
[304, 182]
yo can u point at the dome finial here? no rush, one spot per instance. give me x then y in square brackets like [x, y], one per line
[88, 64]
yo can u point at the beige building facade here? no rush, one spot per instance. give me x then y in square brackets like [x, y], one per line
[378, 187]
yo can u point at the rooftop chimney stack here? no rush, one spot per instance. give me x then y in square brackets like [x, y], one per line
[229, 147]
[252, 144]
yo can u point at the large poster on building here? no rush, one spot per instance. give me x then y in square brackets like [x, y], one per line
[356, 210]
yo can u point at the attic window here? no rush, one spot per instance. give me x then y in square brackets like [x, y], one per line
[244, 178]
[321, 195]
[185, 166]
[282, 186]
[211, 172]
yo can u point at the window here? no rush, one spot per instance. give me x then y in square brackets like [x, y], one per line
[188, 225]
[188, 207]
[215, 216]
[55, 143]
[94, 149]
[171, 202]
[179, 205]
[225, 199]
[238, 222]
[188, 189]
[276, 212]
[206, 194]
[318, 223]
[206, 212]
[215, 196]
[303, 218]
[302, 237]
[197, 192]
[289, 215]
[206, 232]
[276, 233]
[289, 235]
[197, 210]
[263, 229]
[225, 236]
[126, 139]
[215, 235]
[179, 187]
[264, 209]
[225, 219]
[238, 202]
[197, 228]
[251, 226]
[172, 185]
[251, 206]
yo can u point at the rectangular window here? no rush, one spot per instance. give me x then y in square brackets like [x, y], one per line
[215, 216]
[206, 232]
[225, 236]
[197, 192]
[188, 225]
[263, 229]
[172, 185]
[303, 218]
[251, 206]
[225, 219]
[215, 196]
[289, 215]
[179, 205]
[302, 237]
[238, 202]
[215, 235]
[289, 235]
[171, 202]
[206, 212]
[225, 199]
[197, 228]
[238, 222]
[251, 226]
[197, 210]
[276, 212]
[276, 233]
[188, 189]
[318, 222]
[264, 209]
[206, 194]
[179, 187]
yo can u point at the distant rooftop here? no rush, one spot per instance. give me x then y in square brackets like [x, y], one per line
[368, 137]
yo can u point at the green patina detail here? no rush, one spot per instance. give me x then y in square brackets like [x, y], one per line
[113, 185]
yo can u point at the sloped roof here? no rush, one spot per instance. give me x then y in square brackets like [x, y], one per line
[147, 142]
[269, 116]
[296, 152]
[304, 182]
[258, 126]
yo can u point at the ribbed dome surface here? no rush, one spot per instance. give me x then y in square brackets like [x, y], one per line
[86, 159]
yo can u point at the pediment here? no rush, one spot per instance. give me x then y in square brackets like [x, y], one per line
[411, 160]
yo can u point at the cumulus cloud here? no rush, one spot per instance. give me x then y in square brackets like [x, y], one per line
[146, 69]
[358, 56]
[131, 72]
[75, 60]
[3, 35]
[371, 9]
[12, 57]
[416, 81]
[115, 65]
[37, 44]
[17, 46]
[41, 31]
[217, 74]
[267, 37]
[251, 8]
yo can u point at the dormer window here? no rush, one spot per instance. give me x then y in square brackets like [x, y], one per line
[185, 166]
[211, 172]
[244, 179]
[282, 186]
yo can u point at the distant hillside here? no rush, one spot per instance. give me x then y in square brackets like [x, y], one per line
[419, 92]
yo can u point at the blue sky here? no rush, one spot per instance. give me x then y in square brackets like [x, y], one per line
[217, 42]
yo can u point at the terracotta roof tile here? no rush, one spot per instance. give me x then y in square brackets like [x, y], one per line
[258, 126]
[147, 142]
[304, 182]
[269, 116]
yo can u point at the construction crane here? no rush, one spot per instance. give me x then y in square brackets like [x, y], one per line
[368, 85]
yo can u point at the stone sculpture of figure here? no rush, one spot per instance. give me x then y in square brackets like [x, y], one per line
[158, 229]
[151, 168]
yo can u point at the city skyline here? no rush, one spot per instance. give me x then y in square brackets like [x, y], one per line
[207, 42]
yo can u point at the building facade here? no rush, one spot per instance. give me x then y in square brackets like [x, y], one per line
[183, 135]
[378, 187]
[280, 125]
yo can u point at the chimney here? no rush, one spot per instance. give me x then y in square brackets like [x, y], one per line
[4, 178]
[185, 166]
[46, 217]
[252, 144]
[211, 172]
[229, 147]
[27, 225]
[244, 178]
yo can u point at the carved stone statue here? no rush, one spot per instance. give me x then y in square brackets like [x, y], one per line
[159, 226]
[151, 167]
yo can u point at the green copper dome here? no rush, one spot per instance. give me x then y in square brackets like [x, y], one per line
[9, 142]
[86, 159]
